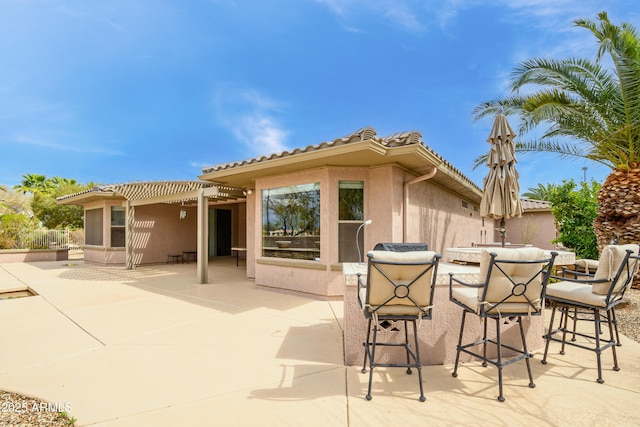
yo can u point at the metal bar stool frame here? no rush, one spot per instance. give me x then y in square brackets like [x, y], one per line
[498, 310]
[411, 312]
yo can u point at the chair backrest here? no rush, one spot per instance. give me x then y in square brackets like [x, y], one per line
[516, 280]
[617, 266]
[401, 247]
[401, 283]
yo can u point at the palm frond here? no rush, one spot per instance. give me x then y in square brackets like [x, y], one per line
[596, 109]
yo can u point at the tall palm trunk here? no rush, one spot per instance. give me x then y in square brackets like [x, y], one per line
[619, 209]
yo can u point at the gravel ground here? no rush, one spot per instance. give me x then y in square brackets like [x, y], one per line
[628, 315]
[17, 410]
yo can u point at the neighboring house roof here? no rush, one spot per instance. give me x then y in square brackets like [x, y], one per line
[530, 205]
[362, 148]
[148, 192]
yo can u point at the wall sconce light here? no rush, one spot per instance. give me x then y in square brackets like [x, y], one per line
[183, 212]
[367, 222]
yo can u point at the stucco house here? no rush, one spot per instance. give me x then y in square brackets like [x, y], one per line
[536, 226]
[295, 213]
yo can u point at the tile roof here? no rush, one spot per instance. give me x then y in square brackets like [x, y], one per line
[363, 134]
[530, 204]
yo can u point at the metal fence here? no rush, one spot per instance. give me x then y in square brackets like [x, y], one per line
[50, 239]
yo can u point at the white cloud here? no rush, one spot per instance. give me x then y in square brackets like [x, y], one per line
[396, 11]
[338, 7]
[116, 26]
[47, 143]
[251, 117]
[262, 133]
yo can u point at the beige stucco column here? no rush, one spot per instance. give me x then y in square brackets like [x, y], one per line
[131, 217]
[203, 237]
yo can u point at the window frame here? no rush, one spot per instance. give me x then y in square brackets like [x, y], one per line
[347, 226]
[118, 225]
[293, 207]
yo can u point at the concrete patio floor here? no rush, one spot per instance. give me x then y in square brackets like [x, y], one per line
[151, 347]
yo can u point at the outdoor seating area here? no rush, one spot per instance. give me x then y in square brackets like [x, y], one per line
[593, 298]
[514, 288]
[175, 258]
[90, 327]
[188, 239]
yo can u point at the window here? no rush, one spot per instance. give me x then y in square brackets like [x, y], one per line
[291, 222]
[93, 227]
[118, 226]
[350, 217]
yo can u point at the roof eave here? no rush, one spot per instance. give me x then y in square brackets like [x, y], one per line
[242, 175]
[80, 199]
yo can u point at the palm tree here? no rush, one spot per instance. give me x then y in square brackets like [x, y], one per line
[3, 189]
[34, 183]
[59, 182]
[595, 111]
[541, 192]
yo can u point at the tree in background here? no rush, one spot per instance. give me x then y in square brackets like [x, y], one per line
[15, 229]
[15, 202]
[3, 190]
[575, 210]
[34, 183]
[16, 218]
[541, 192]
[54, 216]
[44, 204]
[595, 109]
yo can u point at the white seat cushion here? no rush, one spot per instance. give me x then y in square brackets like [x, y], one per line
[469, 298]
[578, 292]
[610, 260]
[589, 265]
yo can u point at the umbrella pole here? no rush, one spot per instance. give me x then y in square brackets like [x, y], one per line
[503, 231]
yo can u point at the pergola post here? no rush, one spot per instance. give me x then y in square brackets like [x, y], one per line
[203, 237]
[131, 217]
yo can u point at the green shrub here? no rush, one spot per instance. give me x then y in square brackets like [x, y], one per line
[575, 210]
[15, 230]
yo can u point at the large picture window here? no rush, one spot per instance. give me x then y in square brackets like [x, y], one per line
[350, 217]
[291, 222]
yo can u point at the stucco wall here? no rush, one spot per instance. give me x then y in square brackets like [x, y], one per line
[251, 233]
[383, 206]
[159, 231]
[435, 216]
[440, 218]
[535, 228]
[103, 255]
[33, 255]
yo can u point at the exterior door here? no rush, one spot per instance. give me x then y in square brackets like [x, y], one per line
[219, 232]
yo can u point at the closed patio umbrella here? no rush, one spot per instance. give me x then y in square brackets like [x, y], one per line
[500, 196]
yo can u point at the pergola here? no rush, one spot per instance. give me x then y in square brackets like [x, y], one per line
[149, 193]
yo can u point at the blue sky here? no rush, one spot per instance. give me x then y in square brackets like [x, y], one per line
[135, 90]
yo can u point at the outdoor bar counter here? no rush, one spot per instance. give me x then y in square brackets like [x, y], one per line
[438, 336]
